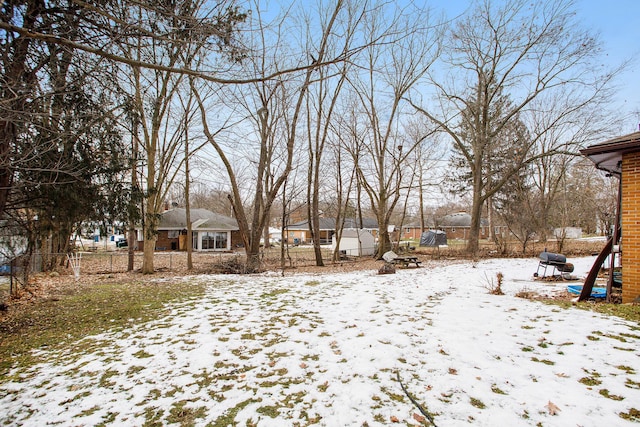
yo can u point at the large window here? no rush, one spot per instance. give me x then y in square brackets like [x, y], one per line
[214, 240]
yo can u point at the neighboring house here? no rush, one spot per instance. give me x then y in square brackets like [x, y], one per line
[414, 231]
[457, 226]
[567, 233]
[211, 231]
[620, 157]
[300, 231]
[354, 242]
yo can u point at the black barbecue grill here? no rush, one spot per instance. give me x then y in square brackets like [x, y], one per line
[558, 262]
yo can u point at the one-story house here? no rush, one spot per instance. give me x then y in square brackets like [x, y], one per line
[211, 231]
[300, 231]
[457, 226]
[620, 157]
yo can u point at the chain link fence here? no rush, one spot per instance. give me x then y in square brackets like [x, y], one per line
[113, 262]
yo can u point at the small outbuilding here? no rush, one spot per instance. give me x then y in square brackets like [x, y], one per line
[433, 238]
[355, 242]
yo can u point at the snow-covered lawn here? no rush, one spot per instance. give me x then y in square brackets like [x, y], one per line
[326, 349]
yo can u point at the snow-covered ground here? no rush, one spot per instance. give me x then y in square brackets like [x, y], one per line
[327, 349]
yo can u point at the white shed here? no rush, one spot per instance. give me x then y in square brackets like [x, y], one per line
[355, 242]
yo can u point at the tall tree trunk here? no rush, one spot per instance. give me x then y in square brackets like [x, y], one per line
[150, 234]
[473, 244]
[187, 201]
[132, 240]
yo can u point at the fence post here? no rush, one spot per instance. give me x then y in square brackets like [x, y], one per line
[111, 263]
[11, 268]
[170, 261]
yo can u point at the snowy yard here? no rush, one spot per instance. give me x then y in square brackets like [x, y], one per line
[326, 350]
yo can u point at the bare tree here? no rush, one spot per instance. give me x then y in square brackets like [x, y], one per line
[278, 105]
[344, 174]
[528, 51]
[322, 104]
[187, 29]
[389, 69]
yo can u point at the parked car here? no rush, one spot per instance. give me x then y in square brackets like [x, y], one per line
[122, 243]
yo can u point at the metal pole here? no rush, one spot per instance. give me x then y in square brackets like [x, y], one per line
[616, 239]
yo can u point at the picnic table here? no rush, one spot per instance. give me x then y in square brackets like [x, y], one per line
[405, 261]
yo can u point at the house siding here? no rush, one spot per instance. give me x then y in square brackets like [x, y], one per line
[630, 227]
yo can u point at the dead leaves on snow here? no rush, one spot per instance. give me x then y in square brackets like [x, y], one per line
[552, 408]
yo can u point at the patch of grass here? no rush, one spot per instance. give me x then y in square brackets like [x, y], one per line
[87, 412]
[268, 384]
[632, 415]
[624, 348]
[632, 384]
[141, 354]
[74, 313]
[604, 392]
[625, 311]
[76, 397]
[229, 416]
[627, 369]
[620, 337]
[269, 411]
[314, 357]
[477, 403]
[497, 390]
[174, 390]
[545, 361]
[183, 415]
[153, 416]
[105, 378]
[590, 381]
[204, 379]
[109, 419]
[393, 396]
[274, 293]
[379, 418]
[634, 336]
[134, 370]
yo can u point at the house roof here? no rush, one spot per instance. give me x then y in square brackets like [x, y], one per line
[429, 224]
[352, 233]
[459, 219]
[201, 219]
[607, 155]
